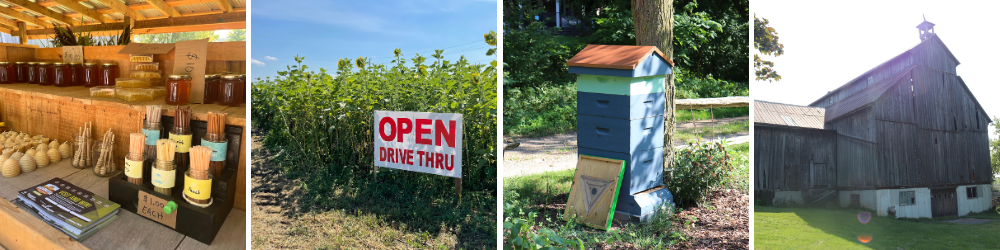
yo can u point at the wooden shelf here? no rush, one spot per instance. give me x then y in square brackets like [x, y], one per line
[57, 113]
[129, 231]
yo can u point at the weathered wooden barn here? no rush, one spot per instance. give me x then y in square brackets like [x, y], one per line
[906, 138]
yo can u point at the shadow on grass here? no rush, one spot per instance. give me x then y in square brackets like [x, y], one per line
[817, 228]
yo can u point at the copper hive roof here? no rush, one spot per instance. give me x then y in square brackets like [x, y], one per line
[613, 56]
[788, 115]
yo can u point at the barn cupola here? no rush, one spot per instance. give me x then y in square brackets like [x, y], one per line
[926, 29]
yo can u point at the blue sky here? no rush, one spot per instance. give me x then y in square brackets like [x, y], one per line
[325, 31]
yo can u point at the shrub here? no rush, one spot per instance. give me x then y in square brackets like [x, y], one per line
[697, 170]
[535, 111]
[534, 55]
[323, 122]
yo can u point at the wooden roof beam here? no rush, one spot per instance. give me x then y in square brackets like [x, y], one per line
[24, 17]
[225, 5]
[231, 20]
[79, 8]
[119, 7]
[44, 12]
[163, 7]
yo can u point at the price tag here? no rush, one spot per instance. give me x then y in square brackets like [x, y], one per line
[72, 54]
[151, 206]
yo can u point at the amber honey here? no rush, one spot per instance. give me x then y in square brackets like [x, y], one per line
[62, 75]
[5, 74]
[108, 73]
[178, 89]
[46, 76]
[91, 75]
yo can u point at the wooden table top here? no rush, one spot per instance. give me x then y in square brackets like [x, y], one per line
[129, 231]
[235, 115]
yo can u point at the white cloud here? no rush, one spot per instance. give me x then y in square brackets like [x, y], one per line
[258, 63]
[271, 58]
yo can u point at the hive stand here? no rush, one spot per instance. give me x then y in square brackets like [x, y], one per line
[620, 108]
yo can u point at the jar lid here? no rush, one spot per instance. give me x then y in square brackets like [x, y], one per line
[19, 63]
[90, 64]
[4, 62]
[230, 77]
[179, 77]
[58, 64]
[109, 64]
[212, 76]
[43, 63]
[32, 63]
[74, 64]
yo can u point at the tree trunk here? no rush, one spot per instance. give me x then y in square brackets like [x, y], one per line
[654, 26]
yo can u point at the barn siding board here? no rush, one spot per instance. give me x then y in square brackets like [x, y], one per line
[784, 156]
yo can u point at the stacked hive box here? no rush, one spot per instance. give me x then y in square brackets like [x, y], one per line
[620, 108]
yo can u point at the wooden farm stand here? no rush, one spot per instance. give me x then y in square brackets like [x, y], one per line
[58, 112]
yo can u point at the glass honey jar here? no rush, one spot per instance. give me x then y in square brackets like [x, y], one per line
[22, 72]
[91, 76]
[62, 75]
[211, 88]
[229, 90]
[75, 74]
[178, 89]
[45, 74]
[5, 73]
[109, 74]
[33, 72]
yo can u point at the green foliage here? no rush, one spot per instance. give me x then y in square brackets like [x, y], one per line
[535, 111]
[323, 122]
[533, 55]
[708, 87]
[698, 169]
[518, 235]
[236, 35]
[65, 36]
[765, 40]
[994, 147]
[179, 36]
[709, 36]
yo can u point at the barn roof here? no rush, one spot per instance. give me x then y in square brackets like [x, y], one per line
[865, 97]
[934, 38]
[788, 115]
[614, 56]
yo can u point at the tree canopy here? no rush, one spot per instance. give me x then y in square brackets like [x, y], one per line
[179, 36]
[765, 40]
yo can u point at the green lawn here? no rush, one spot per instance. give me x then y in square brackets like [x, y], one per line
[802, 228]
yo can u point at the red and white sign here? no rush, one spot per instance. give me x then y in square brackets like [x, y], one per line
[419, 141]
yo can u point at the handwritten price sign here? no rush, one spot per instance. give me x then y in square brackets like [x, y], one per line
[72, 54]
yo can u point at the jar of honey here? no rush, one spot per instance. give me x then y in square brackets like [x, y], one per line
[91, 76]
[75, 74]
[178, 89]
[22, 72]
[5, 70]
[33, 72]
[211, 88]
[229, 90]
[109, 74]
[45, 74]
[243, 88]
[62, 75]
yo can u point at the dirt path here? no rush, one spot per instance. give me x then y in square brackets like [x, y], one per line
[558, 152]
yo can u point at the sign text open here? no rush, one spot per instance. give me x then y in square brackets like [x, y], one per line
[421, 142]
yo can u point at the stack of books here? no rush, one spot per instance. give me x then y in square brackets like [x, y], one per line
[74, 211]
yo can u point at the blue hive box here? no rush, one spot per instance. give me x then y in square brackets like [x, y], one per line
[620, 112]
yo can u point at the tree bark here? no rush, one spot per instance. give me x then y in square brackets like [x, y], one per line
[654, 26]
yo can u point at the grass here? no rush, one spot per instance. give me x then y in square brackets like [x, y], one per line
[704, 114]
[317, 210]
[801, 228]
[536, 193]
[693, 134]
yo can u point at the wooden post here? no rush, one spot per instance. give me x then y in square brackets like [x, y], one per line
[129, 23]
[375, 175]
[711, 113]
[458, 188]
[22, 32]
[692, 122]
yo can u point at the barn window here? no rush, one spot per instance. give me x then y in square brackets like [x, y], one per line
[971, 193]
[907, 198]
